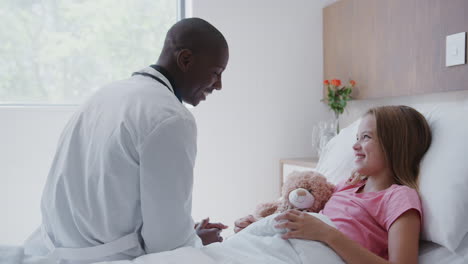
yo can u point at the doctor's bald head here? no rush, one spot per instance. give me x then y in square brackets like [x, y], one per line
[194, 34]
[195, 53]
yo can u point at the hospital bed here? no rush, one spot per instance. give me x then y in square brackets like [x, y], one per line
[443, 189]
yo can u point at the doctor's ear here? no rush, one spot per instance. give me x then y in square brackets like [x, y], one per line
[184, 59]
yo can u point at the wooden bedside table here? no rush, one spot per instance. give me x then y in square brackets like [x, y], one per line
[295, 164]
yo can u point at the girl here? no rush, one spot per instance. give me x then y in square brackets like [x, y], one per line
[377, 211]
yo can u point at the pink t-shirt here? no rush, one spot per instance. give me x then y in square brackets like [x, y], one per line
[367, 217]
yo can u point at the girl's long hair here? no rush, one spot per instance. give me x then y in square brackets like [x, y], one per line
[404, 136]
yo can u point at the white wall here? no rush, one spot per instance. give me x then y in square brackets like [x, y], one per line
[28, 138]
[269, 102]
[268, 105]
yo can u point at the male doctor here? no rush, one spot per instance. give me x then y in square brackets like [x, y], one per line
[120, 185]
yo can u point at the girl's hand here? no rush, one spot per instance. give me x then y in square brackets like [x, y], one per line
[303, 226]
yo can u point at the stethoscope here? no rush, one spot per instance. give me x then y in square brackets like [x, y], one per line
[156, 78]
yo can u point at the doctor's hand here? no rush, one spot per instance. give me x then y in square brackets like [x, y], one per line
[209, 232]
[243, 222]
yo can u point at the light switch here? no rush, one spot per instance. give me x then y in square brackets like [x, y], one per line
[455, 49]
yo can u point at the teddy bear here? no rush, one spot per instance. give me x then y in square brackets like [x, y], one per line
[306, 191]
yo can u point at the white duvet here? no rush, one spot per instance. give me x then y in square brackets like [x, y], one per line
[259, 243]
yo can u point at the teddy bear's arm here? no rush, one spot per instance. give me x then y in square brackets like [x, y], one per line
[265, 209]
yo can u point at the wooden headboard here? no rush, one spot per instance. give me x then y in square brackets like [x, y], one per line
[393, 47]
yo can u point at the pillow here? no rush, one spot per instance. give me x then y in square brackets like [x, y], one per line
[443, 183]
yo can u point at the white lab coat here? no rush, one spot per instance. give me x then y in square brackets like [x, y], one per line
[124, 164]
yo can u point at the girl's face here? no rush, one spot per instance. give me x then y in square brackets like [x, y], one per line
[369, 156]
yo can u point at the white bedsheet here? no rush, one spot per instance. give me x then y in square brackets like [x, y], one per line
[260, 243]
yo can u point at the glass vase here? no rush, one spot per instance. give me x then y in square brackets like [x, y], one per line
[337, 123]
[322, 133]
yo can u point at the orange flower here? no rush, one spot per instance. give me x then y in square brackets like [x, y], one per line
[352, 82]
[336, 82]
[326, 82]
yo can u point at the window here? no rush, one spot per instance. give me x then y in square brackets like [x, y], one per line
[60, 52]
